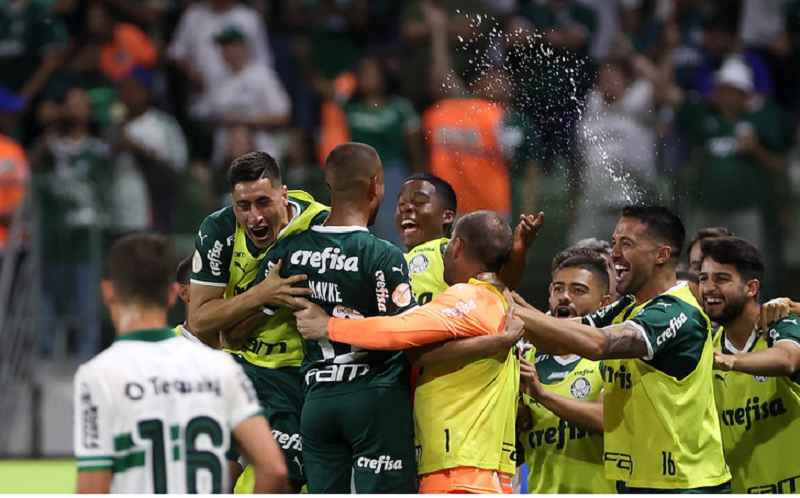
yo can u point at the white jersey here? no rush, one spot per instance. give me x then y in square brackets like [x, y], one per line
[158, 412]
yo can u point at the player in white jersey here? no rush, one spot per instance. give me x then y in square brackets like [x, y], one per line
[155, 413]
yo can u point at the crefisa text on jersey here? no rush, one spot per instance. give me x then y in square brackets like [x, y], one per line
[159, 386]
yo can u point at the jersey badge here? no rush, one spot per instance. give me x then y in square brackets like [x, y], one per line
[580, 388]
[197, 261]
[398, 269]
[418, 264]
[665, 305]
[402, 295]
[201, 237]
[761, 379]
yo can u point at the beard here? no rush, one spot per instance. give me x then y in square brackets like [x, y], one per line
[731, 310]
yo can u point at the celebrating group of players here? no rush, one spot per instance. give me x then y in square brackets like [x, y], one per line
[325, 322]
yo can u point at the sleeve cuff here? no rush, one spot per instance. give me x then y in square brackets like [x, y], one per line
[650, 352]
[211, 284]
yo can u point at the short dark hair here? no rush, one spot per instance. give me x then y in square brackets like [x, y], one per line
[443, 189]
[573, 252]
[687, 275]
[661, 222]
[141, 268]
[254, 166]
[707, 233]
[736, 251]
[488, 238]
[594, 264]
[183, 273]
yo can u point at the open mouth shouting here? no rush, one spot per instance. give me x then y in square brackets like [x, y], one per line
[409, 227]
[622, 271]
[713, 304]
[564, 311]
[260, 234]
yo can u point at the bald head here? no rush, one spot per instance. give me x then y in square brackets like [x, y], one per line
[487, 238]
[350, 167]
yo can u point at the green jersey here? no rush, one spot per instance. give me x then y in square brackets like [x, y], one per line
[760, 417]
[225, 257]
[352, 274]
[660, 421]
[383, 127]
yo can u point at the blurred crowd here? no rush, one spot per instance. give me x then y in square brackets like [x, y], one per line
[121, 115]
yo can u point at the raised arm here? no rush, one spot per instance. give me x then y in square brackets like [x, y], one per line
[586, 416]
[524, 236]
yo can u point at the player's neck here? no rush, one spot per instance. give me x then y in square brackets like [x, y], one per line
[739, 329]
[662, 281]
[346, 214]
[133, 317]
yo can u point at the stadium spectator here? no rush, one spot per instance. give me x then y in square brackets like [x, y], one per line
[72, 178]
[121, 46]
[464, 446]
[199, 58]
[250, 96]
[719, 42]
[656, 346]
[30, 51]
[613, 17]
[463, 131]
[115, 413]
[14, 172]
[151, 156]
[557, 71]
[299, 168]
[617, 139]
[566, 392]
[374, 114]
[760, 369]
[737, 157]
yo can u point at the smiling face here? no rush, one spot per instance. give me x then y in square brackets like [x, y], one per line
[723, 290]
[634, 255]
[575, 292]
[421, 215]
[261, 210]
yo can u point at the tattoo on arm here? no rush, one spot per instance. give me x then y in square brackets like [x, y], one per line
[624, 341]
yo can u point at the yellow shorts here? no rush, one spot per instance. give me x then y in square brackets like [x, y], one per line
[462, 480]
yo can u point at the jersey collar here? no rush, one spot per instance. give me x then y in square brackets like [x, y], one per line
[148, 335]
[731, 349]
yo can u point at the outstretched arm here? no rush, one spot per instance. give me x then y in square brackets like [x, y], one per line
[586, 416]
[470, 348]
[555, 336]
[781, 360]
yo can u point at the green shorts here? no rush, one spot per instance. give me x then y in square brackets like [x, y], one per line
[368, 434]
[280, 392]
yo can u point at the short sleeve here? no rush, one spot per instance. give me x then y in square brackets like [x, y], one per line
[664, 324]
[785, 329]
[241, 401]
[212, 255]
[392, 283]
[605, 316]
[92, 418]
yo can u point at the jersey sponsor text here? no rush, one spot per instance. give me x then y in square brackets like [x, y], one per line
[162, 387]
[329, 258]
[753, 411]
[557, 435]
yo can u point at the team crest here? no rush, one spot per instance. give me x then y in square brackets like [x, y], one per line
[344, 312]
[580, 388]
[197, 262]
[402, 295]
[761, 379]
[418, 264]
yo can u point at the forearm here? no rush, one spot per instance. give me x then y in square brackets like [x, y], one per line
[388, 332]
[553, 336]
[219, 314]
[772, 362]
[512, 272]
[583, 415]
[239, 333]
[470, 348]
